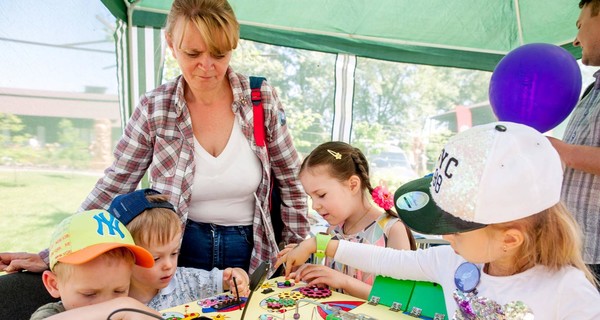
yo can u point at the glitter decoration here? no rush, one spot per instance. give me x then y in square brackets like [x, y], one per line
[518, 310]
[455, 185]
[473, 307]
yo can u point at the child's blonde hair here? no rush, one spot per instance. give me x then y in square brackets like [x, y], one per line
[155, 226]
[552, 238]
[64, 271]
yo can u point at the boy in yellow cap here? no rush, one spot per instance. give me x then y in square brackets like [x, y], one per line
[91, 260]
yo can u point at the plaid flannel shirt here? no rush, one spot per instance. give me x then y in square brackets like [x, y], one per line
[158, 140]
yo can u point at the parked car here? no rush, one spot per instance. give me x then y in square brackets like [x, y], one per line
[391, 164]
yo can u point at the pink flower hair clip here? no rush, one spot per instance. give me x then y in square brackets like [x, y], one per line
[383, 197]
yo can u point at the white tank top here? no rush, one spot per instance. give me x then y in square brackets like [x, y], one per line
[224, 186]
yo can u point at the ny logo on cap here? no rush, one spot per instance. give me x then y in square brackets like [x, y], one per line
[446, 164]
[112, 224]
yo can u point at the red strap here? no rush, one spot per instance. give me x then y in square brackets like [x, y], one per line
[259, 120]
[259, 117]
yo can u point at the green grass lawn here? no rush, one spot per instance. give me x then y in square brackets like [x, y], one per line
[33, 203]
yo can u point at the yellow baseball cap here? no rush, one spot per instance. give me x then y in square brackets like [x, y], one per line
[86, 235]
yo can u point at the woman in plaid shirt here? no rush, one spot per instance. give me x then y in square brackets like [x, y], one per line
[194, 139]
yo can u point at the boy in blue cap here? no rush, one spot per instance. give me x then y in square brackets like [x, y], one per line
[154, 225]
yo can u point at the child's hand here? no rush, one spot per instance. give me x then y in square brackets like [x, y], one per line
[315, 274]
[242, 281]
[297, 256]
[320, 275]
[287, 249]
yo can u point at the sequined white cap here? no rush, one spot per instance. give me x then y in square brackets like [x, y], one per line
[492, 173]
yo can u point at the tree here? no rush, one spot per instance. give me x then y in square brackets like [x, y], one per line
[73, 152]
[301, 80]
[392, 101]
[11, 128]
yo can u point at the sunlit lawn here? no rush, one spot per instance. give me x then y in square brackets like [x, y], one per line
[33, 203]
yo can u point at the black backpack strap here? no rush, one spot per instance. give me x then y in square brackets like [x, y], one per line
[257, 110]
[256, 82]
[587, 90]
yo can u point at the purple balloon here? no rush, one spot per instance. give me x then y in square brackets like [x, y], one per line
[537, 84]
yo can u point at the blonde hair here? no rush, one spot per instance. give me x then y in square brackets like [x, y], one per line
[214, 19]
[155, 226]
[64, 271]
[552, 238]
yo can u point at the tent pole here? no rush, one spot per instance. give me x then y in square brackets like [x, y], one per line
[130, 58]
[519, 25]
[345, 67]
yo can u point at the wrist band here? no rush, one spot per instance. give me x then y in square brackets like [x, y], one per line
[322, 241]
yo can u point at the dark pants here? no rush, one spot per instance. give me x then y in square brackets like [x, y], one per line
[207, 246]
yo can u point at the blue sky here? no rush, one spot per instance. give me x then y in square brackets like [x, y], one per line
[59, 22]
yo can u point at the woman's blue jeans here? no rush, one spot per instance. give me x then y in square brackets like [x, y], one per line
[207, 246]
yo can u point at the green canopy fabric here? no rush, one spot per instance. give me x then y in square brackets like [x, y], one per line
[460, 33]
[472, 34]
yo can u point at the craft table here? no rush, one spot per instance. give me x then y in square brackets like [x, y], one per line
[278, 299]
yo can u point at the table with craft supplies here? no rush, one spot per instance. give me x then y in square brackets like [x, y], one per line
[279, 298]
